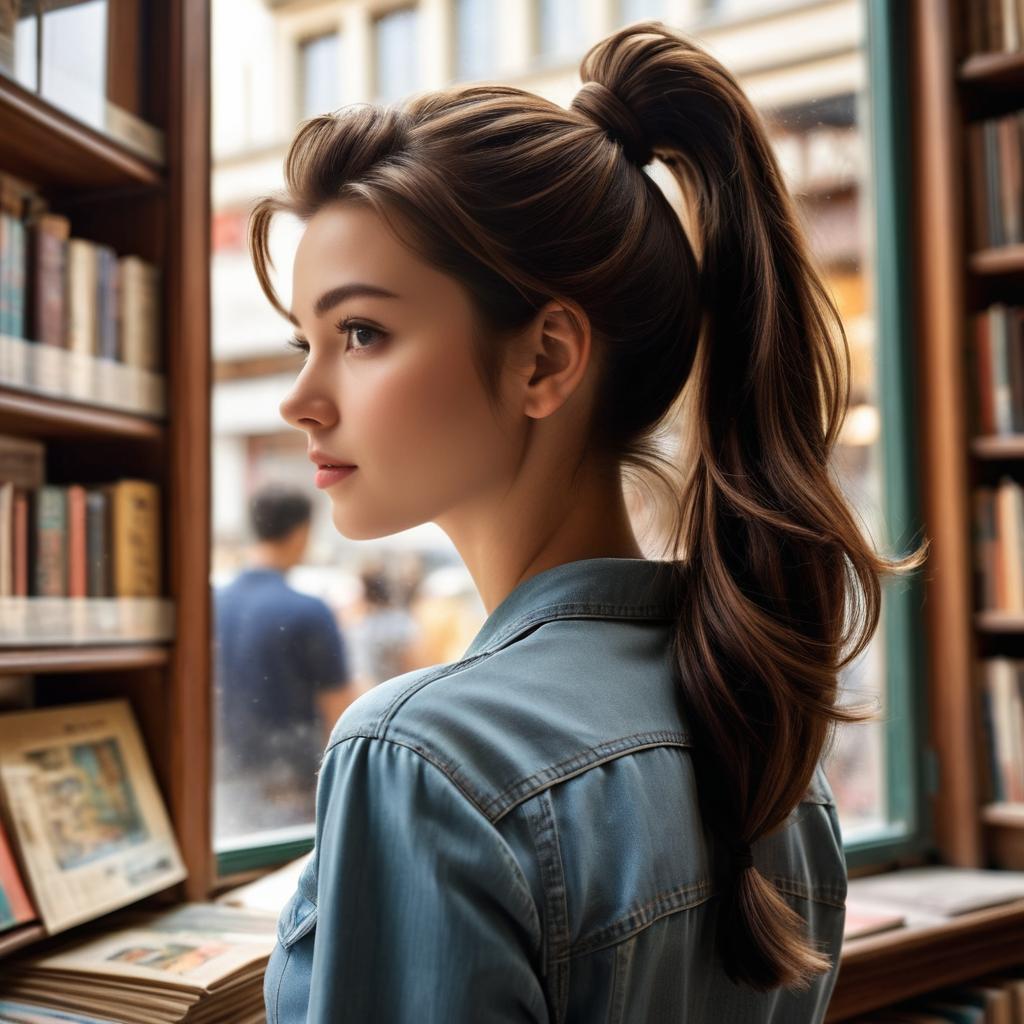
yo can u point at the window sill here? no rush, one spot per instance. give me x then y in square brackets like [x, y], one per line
[878, 970]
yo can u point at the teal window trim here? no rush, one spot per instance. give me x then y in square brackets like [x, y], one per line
[232, 859]
[912, 835]
[905, 720]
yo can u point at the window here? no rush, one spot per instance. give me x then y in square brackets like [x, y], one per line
[559, 28]
[827, 85]
[641, 10]
[318, 74]
[475, 38]
[396, 45]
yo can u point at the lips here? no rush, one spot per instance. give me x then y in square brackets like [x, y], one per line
[325, 460]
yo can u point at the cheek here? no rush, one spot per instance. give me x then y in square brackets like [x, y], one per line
[427, 424]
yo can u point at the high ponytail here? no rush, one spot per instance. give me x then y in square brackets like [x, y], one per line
[781, 589]
[522, 200]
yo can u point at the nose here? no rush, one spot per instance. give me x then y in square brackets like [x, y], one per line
[306, 406]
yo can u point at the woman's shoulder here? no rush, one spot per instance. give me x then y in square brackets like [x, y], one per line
[537, 710]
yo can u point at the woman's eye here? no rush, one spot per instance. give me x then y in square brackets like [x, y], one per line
[363, 335]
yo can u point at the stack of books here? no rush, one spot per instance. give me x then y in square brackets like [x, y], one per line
[195, 962]
[78, 320]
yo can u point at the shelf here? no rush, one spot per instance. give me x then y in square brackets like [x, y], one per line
[51, 148]
[1002, 70]
[107, 384]
[19, 937]
[999, 622]
[1008, 814]
[998, 446]
[38, 660]
[878, 970]
[72, 622]
[38, 416]
[997, 262]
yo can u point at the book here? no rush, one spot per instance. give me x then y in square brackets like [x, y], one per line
[15, 906]
[864, 918]
[270, 892]
[939, 890]
[84, 810]
[195, 961]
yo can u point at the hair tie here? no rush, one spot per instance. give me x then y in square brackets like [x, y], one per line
[742, 857]
[608, 111]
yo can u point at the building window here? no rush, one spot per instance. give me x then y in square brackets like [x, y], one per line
[318, 74]
[475, 38]
[396, 40]
[640, 10]
[559, 28]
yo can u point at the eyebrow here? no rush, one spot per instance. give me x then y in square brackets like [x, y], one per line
[335, 296]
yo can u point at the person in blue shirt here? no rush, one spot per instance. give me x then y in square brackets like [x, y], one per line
[282, 675]
[613, 806]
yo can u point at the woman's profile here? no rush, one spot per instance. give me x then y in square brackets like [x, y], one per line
[612, 807]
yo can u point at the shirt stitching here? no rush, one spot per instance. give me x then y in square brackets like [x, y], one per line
[523, 789]
[670, 899]
[519, 878]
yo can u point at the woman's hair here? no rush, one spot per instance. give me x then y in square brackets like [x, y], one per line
[523, 201]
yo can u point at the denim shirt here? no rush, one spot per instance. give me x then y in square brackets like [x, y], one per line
[515, 836]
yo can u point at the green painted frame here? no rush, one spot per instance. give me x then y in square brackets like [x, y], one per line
[910, 768]
[909, 765]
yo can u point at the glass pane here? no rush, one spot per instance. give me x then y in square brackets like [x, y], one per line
[475, 37]
[560, 28]
[61, 49]
[318, 60]
[641, 10]
[406, 600]
[397, 54]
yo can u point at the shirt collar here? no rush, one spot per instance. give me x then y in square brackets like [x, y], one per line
[588, 588]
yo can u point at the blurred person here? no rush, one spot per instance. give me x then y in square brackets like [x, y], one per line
[282, 675]
[587, 815]
[383, 638]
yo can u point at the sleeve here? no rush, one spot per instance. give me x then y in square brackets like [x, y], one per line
[324, 650]
[423, 914]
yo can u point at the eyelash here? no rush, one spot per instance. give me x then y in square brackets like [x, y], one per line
[343, 326]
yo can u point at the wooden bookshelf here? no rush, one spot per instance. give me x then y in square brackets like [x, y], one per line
[160, 212]
[951, 89]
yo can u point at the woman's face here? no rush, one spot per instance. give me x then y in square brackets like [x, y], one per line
[389, 384]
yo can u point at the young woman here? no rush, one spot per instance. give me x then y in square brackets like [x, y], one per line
[612, 807]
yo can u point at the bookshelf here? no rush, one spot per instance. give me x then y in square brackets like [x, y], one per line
[115, 194]
[954, 89]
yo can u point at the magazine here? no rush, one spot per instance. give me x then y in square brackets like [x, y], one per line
[85, 811]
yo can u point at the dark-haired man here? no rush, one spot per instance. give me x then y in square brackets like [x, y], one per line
[282, 676]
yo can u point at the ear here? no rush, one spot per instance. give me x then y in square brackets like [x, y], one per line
[553, 357]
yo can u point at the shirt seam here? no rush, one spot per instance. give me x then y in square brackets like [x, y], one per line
[576, 610]
[519, 878]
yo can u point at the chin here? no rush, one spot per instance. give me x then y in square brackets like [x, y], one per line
[363, 527]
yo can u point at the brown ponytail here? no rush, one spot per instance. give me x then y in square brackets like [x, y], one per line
[775, 560]
[521, 201]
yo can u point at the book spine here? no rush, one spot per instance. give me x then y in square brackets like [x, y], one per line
[77, 556]
[997, 791]
[51, 542]
[97, 544]
[22, 542]
[82, 296]
[135, 539]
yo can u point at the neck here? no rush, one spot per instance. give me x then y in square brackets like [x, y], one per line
[506, 538]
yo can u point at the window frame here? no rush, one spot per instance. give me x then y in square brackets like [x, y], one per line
[910, 764]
